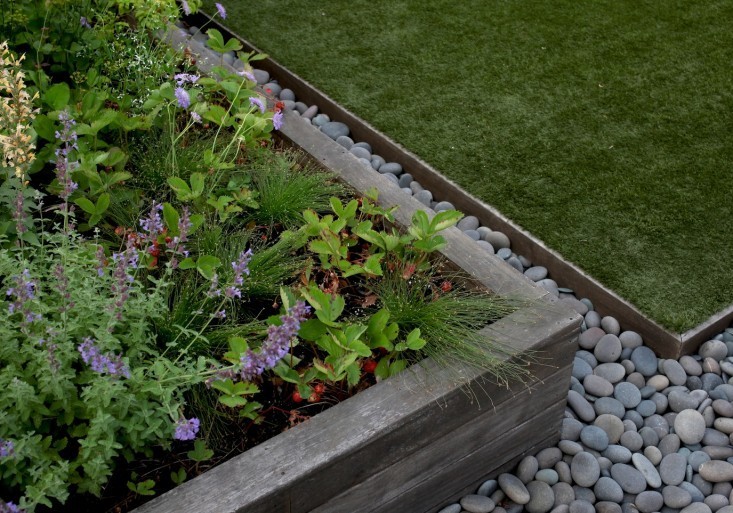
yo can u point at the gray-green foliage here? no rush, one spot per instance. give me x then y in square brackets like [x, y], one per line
[70, 423]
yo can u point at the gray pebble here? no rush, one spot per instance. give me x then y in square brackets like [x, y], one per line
[547, 475]
[593, 319]
[645, 361]
[377, 162]
[406, 190]
[585, 469]
[468, 223]
[696, 507]
[590, 337]
[649, 501]
[697, 458]
[311, 112]
[609, 405]
[536, 273]
[361, 153]
[453, 508]
[345, 141]
[261, 76]
[391, 167]
[443, 205]
[607, 507]
[676, 497]
[630, 339]
[692, 367]
[564, 493]
[716, 471]
[570, 429]
[610, 325]
[488, 487]
[672, 469]
[582, 407]
[715, 437]
[597, 386]
[415, 186]
[563, 472]
[606, 489]
[716, 502]
[627, 394]
[335, 129]
[547, 458]
[629, 478]
[594, 437]
[617, 454]
[515, 263]
[541, 497]
[287, 94]
[613, 372]
[715, 349]
[693, 490]
[513, 487]
[570, 447]
[474, 503]
[365, 145]
[498, 240]
[674, 372]
[301, 107]
[473, 234]
[611, 425]
[527, 468]
[690, 426]
[424, 196]
[647, 469]
[405, 180]
[669, 443]
[580, 506]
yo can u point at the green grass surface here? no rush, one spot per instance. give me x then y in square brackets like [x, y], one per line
[604, 128]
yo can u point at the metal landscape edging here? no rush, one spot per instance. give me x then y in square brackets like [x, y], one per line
[664, 342]
[403, 436]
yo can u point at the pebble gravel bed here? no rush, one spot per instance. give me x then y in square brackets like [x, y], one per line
[640, 433]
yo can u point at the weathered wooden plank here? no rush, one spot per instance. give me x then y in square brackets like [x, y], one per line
[431, 475]
[427, 401]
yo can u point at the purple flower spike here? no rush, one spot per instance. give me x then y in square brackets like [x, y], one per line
[10, 507]
[257, 103]
[277, 344]
[186, 8]
[222, 11]
[182, 97]
[196, 117]
[277, 120]
[186, 429]
[7, 448]
[102, 363]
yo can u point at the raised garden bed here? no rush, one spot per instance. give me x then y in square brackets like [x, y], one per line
[664, 342]
[422, 436]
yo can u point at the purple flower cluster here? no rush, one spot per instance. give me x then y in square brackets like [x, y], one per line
[240, 268]
[185, 78]
[182, 97]
[152, 224]
[19, 214]
[186, 429]
[84, 22]
[7, 448]
[222, 11]
[277, 120]
[64, 168]
[253, 100]
[186, 8]
[24, 292]
[124, 262]
[10, 507]
[248, 75]
[196, 117]
[277, 344]
[102, 363]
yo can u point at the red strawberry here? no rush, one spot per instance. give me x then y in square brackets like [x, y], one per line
[297, 397]
[369, 366]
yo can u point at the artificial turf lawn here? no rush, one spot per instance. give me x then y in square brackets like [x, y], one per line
[605, 128]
